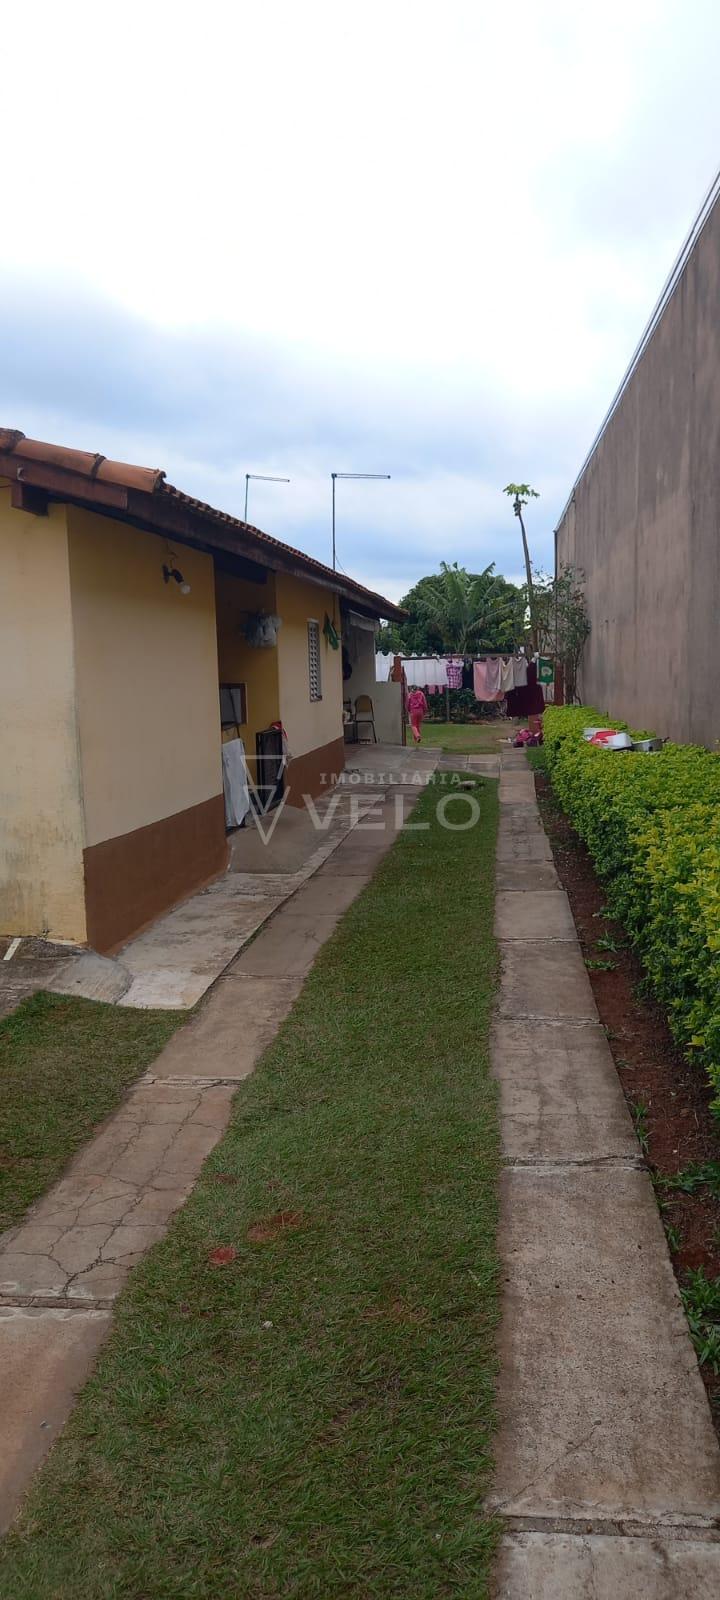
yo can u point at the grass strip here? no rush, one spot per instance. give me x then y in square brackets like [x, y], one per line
[466, 738]
[64, 1064]
[297, 1397]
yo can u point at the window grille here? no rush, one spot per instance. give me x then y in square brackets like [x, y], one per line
[314, 660]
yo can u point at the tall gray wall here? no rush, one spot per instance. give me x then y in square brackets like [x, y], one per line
[644, 524]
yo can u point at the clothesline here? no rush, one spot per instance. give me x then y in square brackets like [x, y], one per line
[495, 673]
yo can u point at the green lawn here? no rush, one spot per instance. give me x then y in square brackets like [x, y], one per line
[467, 738]
[63, 1066]
[312, 1419]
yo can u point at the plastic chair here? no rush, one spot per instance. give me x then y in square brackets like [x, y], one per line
[365, 715]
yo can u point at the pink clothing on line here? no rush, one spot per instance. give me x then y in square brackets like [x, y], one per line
[487, 677]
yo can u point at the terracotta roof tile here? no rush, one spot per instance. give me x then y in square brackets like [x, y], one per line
[151, 481]
[12, 442]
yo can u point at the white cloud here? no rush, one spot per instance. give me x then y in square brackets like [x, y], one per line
[446, 223]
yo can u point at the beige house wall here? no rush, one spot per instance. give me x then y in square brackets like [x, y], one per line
[239, 662]
[147, 679]
[41, 815]
[386, 697]
[149, 724]
[310, 724]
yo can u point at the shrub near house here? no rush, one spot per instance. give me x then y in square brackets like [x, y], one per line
[652, 825]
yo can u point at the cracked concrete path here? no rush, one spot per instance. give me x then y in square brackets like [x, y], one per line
[63, 1266]
[173, 963]
[607, 1464]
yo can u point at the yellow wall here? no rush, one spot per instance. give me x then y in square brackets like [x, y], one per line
[309, 724]
[147, 678]
[238, 662]
[41, 818]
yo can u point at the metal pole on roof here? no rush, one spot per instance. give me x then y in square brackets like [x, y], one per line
[262, 478]
[335, 476]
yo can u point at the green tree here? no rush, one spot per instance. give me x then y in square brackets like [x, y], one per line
[500, 609]
[520, 493]
[562, 622]
[465, 611]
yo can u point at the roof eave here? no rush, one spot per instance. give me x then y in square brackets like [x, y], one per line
[174, 516]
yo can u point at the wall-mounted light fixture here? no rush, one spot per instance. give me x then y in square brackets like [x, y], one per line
[177, 577]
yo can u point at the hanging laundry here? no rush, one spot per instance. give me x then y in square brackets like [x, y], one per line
[527, 699]
[428, 672]
[486, 679]
[455, 673]
[507, 675]
[235, 783]
[520, 667]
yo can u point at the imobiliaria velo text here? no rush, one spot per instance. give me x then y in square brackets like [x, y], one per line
[457, 809]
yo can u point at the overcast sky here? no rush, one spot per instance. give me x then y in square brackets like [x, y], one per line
[309, 235]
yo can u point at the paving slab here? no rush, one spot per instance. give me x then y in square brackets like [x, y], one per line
[451, 763]
[534, 914]
[488, 766]
[517, 788]
[514, 760]
[364, 856]
[560, 1097]
[328, 895]
[287, 948]
[230, 1032]
[525, 875]
[45, 1357]
[519, 818]
[543, 979]
[603, 1411]
[210, 927]
[561, 1566]
[521, 836]
[116, 1199]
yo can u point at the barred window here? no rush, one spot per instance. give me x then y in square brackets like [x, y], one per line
[313, 629]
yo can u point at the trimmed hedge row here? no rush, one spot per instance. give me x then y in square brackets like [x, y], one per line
[652, 826]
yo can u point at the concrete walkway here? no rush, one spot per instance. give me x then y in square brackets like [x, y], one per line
[608, 1468]
[62, 1268]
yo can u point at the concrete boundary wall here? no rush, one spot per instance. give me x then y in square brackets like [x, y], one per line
[644, 523]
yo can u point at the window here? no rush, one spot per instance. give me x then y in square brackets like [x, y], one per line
[233, 705]
[314, 660]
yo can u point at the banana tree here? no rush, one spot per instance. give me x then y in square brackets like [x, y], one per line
[469, 612]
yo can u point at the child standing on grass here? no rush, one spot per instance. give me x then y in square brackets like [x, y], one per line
[417, 709]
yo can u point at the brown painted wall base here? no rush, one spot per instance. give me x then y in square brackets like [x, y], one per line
[311, 773]
[130, 880]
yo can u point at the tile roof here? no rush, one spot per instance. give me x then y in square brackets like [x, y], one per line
[87, 477]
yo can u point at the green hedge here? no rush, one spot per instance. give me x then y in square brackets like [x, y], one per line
[652, 825]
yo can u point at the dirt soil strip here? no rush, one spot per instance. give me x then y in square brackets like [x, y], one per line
[667, 1097]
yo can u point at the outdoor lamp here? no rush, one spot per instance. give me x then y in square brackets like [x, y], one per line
[174, 572]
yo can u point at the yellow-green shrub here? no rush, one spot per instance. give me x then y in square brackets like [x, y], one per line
[652, 825]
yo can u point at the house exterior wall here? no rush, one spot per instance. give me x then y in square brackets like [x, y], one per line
[644, 522]
[386, 697]
[314, 727]
[41, 814]
[239, 662]
[149, 724]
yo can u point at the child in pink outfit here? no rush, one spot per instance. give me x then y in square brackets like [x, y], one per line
[417, 709]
